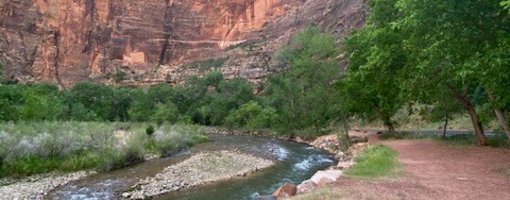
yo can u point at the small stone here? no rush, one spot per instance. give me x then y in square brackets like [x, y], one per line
[126, 195]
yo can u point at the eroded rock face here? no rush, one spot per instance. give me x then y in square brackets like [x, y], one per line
[65, 41]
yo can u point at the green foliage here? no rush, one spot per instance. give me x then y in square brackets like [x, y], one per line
[252, 115]
[429, 52]
[372, 87]
[506, 5]
[165, 113]
[375, 161]
[94, 97]
[149, 130]
[303, 95]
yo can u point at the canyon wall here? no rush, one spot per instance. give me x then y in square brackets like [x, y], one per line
[139, 42]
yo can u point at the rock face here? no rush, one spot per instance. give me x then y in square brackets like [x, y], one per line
[146, 42]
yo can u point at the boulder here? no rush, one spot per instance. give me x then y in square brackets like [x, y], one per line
[326, 176]
[285, 191]
[306, 186]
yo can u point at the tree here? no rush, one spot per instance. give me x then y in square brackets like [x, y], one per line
[142, 107]
[303, 94]
[94, 97]
[40, 102]
[165, 113]
[252, 115]
[448, 41]
[376, 59]
[120, 103]
[430, 48]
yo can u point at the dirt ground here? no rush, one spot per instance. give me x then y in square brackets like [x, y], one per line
[434, 170]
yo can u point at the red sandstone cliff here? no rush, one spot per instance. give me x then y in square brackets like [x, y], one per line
[150, 41]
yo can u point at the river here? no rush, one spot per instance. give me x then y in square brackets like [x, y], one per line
[295, 162]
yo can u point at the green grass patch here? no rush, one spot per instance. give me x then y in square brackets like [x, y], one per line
[375, 161]
[28, 148]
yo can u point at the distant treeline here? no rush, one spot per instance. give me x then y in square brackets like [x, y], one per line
[292, 101]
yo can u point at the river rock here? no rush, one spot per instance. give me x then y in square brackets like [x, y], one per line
[345, 164]
[327, 176]
[126, 195]
[306, 186]
[285, 191]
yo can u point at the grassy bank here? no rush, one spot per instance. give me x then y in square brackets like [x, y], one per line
[39, 147]
[375, 161]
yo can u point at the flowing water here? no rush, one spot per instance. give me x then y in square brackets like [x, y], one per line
[294, 163]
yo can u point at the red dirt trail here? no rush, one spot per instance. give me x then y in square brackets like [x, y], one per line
[434, 170]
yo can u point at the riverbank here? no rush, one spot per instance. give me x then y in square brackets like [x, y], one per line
[36, 187]
[200, 169]
[322, 178]
[28, 148]
[430, 169]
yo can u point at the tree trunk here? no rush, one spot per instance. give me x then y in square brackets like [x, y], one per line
[445, 125]
[343, 139]
[477, 125]
[464, 99]
[446, 116]
[389, 125]
[502, 119]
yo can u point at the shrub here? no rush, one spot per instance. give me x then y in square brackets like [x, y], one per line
[149, 131]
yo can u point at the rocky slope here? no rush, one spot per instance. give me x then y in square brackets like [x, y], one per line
[146, 42]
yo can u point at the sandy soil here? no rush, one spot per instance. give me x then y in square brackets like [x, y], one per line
[434, 170]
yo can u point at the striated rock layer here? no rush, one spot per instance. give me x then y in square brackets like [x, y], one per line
[150, 41]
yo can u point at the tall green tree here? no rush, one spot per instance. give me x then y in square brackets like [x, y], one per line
[448, 41]
[376, 60]
[303, 95]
